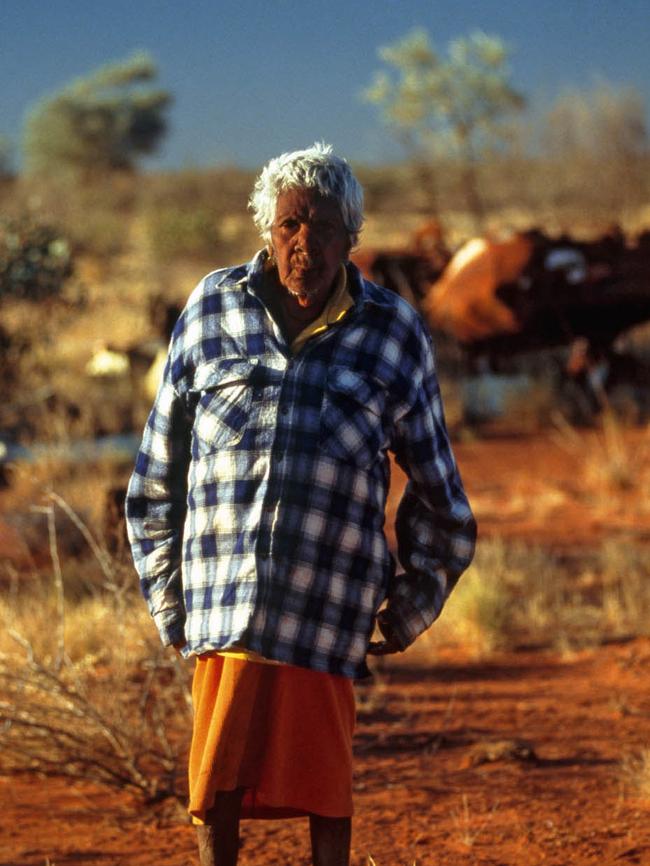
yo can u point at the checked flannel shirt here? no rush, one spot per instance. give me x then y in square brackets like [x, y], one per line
[256, 507]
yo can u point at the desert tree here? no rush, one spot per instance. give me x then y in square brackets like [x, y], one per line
[597, 144]
[454, 105]
[99, 123]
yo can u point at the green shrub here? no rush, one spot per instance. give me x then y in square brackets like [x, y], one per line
[35, 259]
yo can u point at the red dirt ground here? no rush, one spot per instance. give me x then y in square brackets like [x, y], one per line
[515, 761]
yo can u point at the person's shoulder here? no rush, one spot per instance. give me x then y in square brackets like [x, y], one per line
[393, 306]
[400, 323]
[375, 295]
[211, 297]
[386, 297]
[218, 282]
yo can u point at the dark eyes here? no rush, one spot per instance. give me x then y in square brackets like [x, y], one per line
[320, 227]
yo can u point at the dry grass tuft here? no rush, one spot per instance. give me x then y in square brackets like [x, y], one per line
[635, 773]
[514, 595]
[63, 719]
[468, 825]
[86, 690]
[509, 596]
[611, 465]
[608, 463]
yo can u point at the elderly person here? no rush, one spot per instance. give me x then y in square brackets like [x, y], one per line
[256, 508]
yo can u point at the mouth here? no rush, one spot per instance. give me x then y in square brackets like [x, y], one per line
[304, 264]
[303, 295]
[305, 279]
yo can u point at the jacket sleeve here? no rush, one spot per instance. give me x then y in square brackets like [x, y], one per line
[156, 507]
[435, 528]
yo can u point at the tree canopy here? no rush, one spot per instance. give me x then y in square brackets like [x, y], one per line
[454, 105]
[99, 123]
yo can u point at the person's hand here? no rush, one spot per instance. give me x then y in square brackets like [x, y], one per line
[390, 644]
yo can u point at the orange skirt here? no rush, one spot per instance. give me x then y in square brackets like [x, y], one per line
[282, 733]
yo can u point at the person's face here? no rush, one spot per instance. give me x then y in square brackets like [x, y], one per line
[309, 242]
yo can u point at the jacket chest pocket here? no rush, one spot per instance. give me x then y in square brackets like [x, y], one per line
[352, 425]
[225, 394]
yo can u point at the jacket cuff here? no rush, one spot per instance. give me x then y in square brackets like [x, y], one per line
[405, 621]
[171, 626]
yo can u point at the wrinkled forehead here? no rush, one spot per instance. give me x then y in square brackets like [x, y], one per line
[307, 202]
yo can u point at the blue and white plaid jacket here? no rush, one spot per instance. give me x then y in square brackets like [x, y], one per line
[256, 508]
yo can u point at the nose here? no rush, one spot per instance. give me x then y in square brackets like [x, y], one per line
[307, 237]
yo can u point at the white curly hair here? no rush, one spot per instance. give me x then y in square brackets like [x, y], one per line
[315, 167]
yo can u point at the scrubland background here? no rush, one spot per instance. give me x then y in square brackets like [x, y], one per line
[88, 266]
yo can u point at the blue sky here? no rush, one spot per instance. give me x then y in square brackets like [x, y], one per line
[251, 79]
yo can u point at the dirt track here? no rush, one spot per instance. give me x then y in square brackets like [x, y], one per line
[516, 761]
[512, 761]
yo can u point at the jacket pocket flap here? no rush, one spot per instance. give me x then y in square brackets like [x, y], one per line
[364, 390]
[218, 374]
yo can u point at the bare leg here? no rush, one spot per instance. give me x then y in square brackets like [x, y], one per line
[218, 838]
[330, 840]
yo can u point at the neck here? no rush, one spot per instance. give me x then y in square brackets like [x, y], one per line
[293, 318]
[285, 308]
[293, 310]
